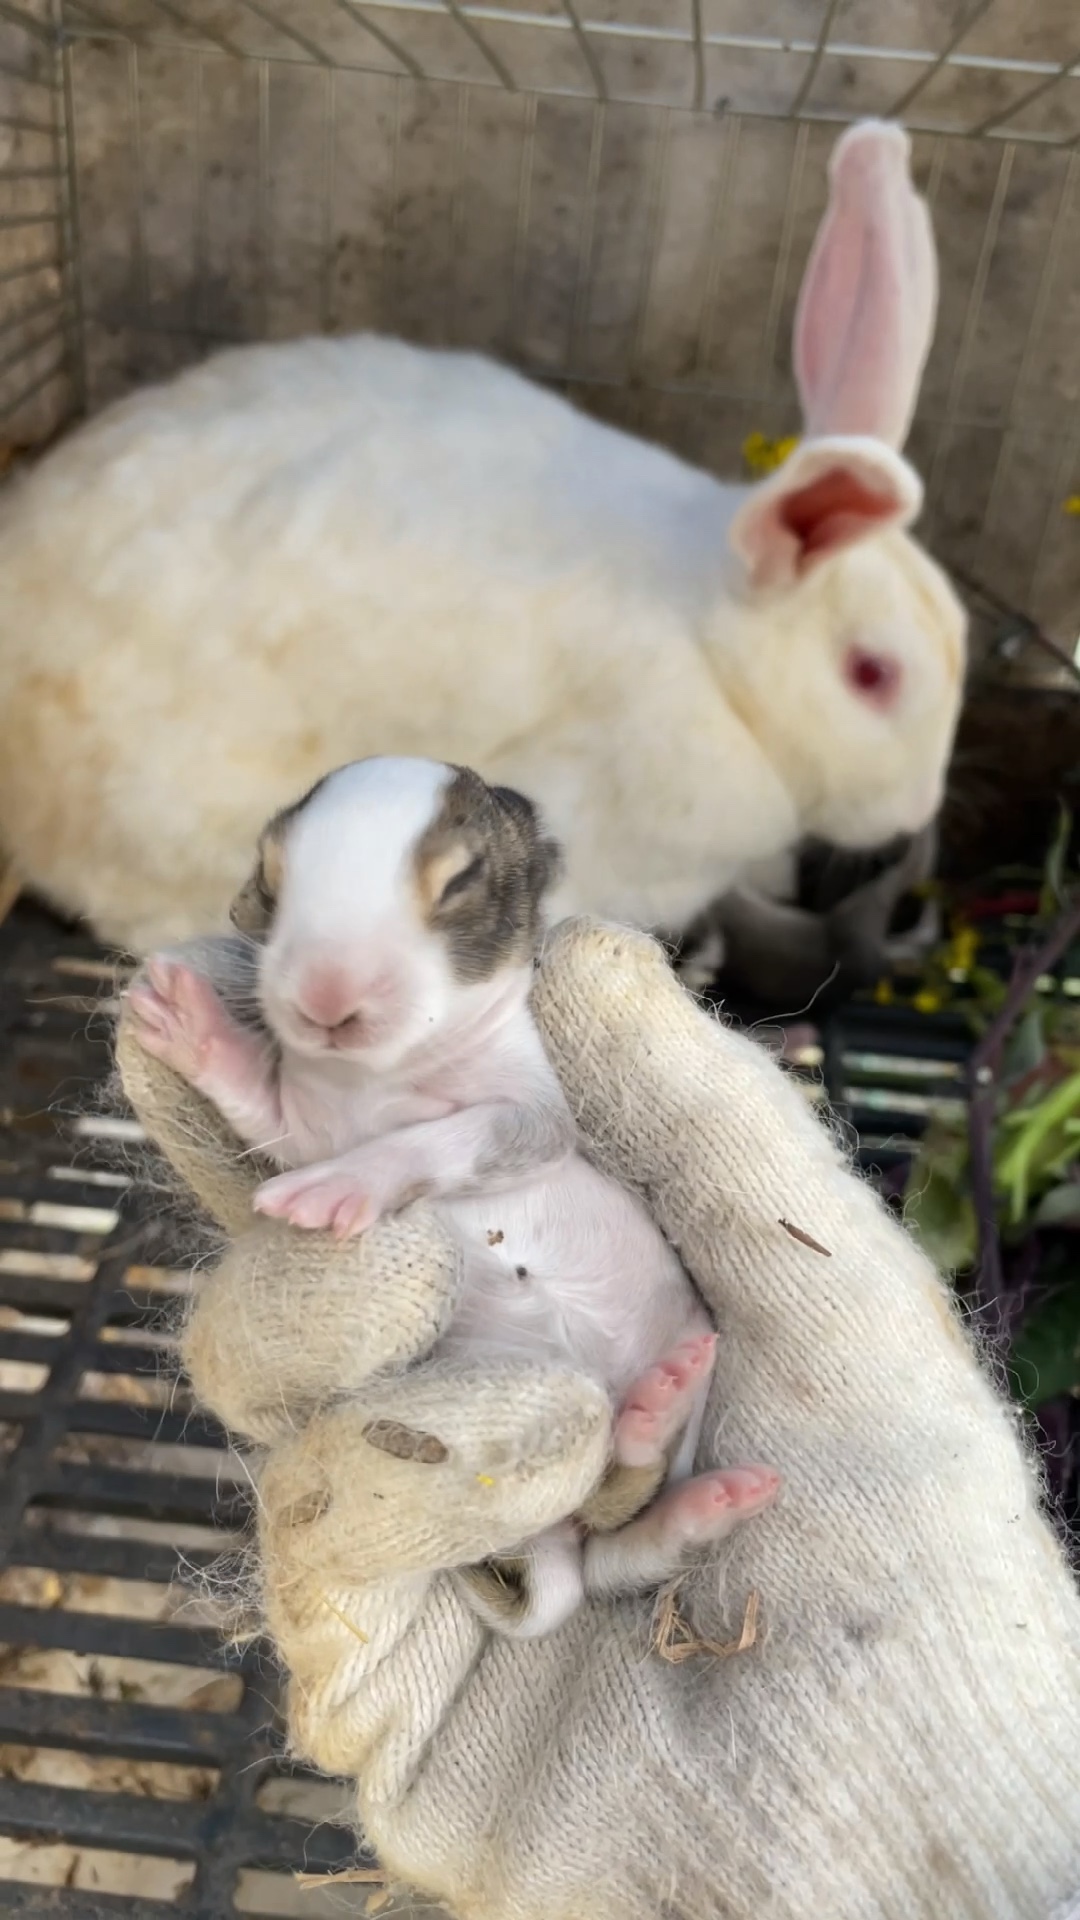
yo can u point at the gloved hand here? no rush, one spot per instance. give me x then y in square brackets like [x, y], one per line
[903, 1737]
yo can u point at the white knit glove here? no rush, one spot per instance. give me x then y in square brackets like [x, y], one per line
[903, 1737]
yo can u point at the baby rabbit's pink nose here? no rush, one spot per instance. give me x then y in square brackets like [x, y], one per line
[328, 997]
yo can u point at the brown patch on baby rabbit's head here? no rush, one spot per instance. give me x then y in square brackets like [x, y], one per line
[482, 870]
[252, 910]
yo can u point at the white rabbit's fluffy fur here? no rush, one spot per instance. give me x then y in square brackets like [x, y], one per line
[298, 555]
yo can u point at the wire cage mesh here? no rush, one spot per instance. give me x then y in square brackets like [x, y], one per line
[618, 196]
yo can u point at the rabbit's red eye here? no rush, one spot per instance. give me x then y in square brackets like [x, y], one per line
[875, 675]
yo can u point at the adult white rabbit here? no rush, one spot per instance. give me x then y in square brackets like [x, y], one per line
[298, 555]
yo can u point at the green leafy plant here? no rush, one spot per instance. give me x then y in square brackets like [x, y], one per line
[995, 1197]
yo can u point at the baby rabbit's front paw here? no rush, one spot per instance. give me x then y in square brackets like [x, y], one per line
[330, 1197]
[179, 1019]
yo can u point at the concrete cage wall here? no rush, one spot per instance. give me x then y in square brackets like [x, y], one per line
[617, 195]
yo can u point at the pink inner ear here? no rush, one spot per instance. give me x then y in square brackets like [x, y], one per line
[832, 511]
[868, 301]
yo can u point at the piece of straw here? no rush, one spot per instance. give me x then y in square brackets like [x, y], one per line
[805, 1239]
[674, 1641]
[345, 1621]
[348, 1876]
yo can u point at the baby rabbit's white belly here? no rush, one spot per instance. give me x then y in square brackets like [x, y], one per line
[569, 1265]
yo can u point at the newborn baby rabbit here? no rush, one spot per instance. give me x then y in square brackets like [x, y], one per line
[395, 913]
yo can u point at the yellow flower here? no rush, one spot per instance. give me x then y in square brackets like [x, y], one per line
[884, 994]
[927, 1001]
[763, 455]
[961, 951]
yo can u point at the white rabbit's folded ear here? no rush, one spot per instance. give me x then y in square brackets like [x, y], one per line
[827, 496]
[868, 302]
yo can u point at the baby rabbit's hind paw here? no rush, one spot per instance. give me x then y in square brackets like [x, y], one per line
[659, 1404]
[709, 1507]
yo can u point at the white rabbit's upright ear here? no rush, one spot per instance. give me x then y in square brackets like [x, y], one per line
[868, 302]
[827, 496]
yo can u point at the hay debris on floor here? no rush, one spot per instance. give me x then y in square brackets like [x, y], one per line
[348, 1876]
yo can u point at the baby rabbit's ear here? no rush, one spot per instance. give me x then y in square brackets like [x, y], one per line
[868, 302]
[540, 853]
[827, 496]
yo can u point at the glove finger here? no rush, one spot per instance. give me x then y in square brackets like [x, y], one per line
[359, 1515]
[435, 1469]
[290, 1321]
[372, 1673]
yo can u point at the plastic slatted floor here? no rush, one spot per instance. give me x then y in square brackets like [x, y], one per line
[139, 1765]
